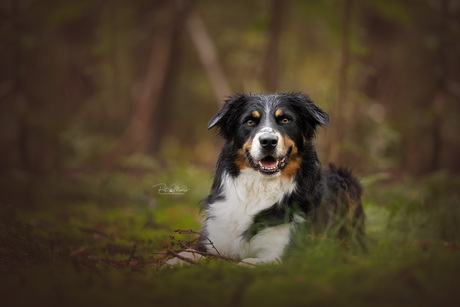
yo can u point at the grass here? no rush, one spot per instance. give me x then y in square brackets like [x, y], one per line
[94, 240]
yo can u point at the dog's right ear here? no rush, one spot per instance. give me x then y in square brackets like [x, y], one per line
[227, 116]
[218, 117]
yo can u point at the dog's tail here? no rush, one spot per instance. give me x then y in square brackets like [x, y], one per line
[344, 201]
[342, 179]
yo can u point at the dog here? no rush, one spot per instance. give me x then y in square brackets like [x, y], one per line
[269, 185]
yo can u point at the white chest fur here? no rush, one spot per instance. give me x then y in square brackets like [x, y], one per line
[244, 197]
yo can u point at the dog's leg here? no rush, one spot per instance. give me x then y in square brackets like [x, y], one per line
[268, 246]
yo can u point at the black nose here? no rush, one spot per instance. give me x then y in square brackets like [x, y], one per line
[268, 141]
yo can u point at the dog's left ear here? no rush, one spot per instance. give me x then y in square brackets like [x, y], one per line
[227, 116]
[308, 110]
[321, 116]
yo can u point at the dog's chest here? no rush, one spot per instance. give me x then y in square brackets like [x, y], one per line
[244, 197]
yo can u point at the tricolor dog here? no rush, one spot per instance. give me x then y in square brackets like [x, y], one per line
[269, 185]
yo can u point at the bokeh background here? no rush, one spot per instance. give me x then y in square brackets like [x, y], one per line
[101, 100]
[92, 82]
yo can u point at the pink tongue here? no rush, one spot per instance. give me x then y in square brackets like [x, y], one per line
[268, 163]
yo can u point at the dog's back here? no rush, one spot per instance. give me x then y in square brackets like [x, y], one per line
[342, 212]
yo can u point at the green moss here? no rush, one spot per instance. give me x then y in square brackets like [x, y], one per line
[103, 250]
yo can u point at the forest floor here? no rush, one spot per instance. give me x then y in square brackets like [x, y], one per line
[100, 240]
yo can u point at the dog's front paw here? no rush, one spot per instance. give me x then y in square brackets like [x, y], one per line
[250, 262]
[187, 257]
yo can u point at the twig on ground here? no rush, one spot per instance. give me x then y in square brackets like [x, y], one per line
[190, 231]
[132, 255]
[182, 244]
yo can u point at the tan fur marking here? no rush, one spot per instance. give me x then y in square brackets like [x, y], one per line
[292, 167]
[279, 112]
[256, 114]
[294, 160]
[241, 160]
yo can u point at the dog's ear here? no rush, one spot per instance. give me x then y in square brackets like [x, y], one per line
[310, 113]
[218, 118]
[227, 116]
[321, 117]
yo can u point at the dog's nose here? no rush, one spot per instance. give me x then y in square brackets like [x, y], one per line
[268, 141]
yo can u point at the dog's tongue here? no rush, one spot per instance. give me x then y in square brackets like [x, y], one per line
[268, 162]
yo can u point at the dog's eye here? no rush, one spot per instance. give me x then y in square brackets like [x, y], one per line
[285, 120]
[250, 122]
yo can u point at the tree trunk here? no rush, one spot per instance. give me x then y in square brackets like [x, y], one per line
[138, 132]
[439, 100]
[339, 120]
[208, 56]
[272, 58]
[161, 118]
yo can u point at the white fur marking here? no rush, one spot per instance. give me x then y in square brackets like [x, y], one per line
[257, 150]
[245, 196]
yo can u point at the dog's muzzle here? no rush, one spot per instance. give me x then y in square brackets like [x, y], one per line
[269, 165]
[267, 154]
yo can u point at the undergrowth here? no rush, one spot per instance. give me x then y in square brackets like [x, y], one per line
[101, 240]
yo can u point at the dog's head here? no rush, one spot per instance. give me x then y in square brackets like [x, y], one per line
[269, 132]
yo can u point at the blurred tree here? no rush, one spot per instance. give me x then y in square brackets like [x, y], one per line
[207, 53]
[441, 90]
[138, 135]
[78, 75]
[411, 47]
[339, 117]
[271, 71]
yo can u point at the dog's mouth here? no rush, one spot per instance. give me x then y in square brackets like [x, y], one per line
[268, 165]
